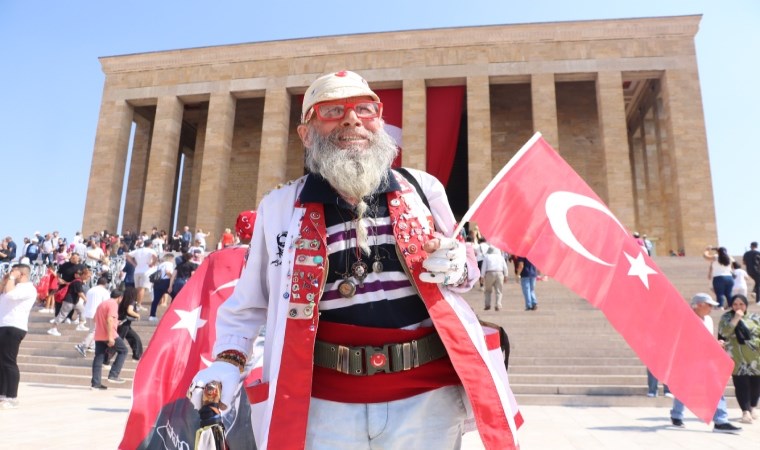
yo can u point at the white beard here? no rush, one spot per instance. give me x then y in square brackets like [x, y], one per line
[354, 172]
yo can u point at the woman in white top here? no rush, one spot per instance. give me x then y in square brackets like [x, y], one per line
[200, 236]
[740, 280]
[720, 273]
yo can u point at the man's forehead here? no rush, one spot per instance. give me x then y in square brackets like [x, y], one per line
[348, 100]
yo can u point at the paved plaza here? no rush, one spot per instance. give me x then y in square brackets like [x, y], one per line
[74, 417]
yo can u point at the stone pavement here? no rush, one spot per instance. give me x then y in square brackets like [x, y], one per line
[74, 417]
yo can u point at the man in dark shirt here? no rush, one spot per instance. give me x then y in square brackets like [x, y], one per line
[67, 270]
[752, 263]
[527, 274]
[10, 249]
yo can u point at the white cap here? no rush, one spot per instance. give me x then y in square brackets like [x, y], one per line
[335, 86]
[703, 298]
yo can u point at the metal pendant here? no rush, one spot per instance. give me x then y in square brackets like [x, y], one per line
[360, 271]
[377, 266]
[347, 288]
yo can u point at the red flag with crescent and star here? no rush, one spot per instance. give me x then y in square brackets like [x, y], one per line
[161, 415]
[540, 208]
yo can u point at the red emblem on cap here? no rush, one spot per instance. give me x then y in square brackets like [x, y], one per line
[342, 73]
[377, 360]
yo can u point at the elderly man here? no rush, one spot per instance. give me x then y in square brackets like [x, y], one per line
[494, 273]
[703, 304]
[368, 341]
[17, 296]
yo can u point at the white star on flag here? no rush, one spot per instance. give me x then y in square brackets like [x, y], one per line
[189, 320]
[639, 268]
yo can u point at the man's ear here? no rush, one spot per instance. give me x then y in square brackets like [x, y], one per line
[303, 133]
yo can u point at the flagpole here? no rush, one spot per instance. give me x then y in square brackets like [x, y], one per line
[478, 201]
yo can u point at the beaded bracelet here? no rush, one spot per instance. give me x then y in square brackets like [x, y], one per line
[233, 357]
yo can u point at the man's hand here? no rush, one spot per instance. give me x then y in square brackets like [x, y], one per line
[227, 374]
[111, 342]
[447, 263]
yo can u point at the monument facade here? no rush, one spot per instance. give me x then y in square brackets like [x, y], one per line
[200, 134]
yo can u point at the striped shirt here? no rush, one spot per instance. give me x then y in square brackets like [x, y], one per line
[384, 300]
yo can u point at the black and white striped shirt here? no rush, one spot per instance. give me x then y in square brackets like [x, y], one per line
[384, 300]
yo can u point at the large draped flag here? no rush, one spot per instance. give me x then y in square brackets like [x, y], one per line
[539, 208]
[161, 415]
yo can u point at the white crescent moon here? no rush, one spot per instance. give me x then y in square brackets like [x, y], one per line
[558, 204]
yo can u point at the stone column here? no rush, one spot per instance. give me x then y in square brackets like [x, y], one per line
[109, 161]
[687, 143]
[274, 141]
[162, 165]
[185, 187]
[544, 105]
[414, 128]
[614, 141]
[480, 171]
[656, 221]
[138, 167]
[215, 164]
[195, 178]
[638, 175]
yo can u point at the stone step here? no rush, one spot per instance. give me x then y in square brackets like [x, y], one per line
[588, 352]
[603, 400]
[516, 369]
[563, 361]
[72, 380]
[62, 369]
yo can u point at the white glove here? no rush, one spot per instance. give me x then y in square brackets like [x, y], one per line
[227, 374]
[447, 265]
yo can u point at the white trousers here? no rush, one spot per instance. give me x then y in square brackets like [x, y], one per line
[432, 420]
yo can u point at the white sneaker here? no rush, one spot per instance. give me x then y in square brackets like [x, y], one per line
[67, 321]
[42, 310]
[152, 319]
[81, 327]
[53, 332]
[52, 320]
[9, 403]
[75, 322]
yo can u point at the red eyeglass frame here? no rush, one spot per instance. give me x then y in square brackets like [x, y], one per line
[346, 105]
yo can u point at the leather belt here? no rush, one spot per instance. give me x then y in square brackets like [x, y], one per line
[369, 360]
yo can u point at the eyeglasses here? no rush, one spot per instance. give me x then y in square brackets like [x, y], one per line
[336, 111]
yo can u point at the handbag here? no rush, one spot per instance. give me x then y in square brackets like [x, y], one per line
[155, 276]
[60, 294]
[742, 333]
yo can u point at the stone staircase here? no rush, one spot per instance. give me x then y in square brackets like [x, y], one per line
[565, 353]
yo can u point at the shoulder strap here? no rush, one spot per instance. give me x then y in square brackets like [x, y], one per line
[410, 178]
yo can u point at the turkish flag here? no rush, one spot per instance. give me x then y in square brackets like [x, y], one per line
[538, 207]
[161, 414]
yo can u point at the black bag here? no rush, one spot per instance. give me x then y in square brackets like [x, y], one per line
[155, 276]
[742, 333]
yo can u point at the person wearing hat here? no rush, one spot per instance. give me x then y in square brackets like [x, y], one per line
[741, 330]
[703, 304]
[358, 280]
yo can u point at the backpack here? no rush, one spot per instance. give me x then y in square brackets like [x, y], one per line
[753, 265]
[32, 252]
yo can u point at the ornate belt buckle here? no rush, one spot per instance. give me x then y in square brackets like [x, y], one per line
[377, 359]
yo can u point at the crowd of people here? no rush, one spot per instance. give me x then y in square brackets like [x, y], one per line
[95, 284]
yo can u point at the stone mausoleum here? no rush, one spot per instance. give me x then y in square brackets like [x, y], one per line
[200, 134]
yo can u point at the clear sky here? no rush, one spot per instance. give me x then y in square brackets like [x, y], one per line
[52, 81]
